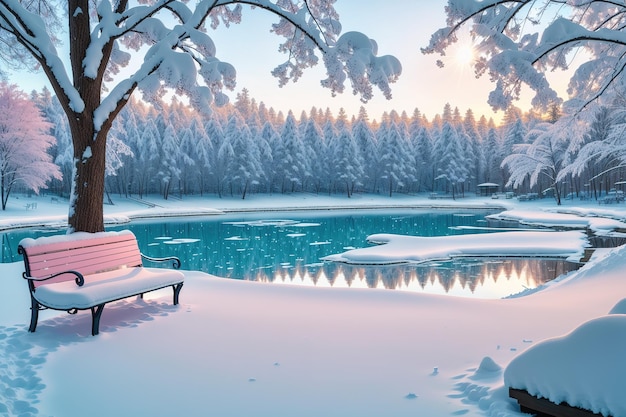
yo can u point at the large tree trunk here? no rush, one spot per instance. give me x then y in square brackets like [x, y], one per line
[86, 211]
[86, 203]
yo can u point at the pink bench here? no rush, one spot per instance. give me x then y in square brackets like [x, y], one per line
[84, 271]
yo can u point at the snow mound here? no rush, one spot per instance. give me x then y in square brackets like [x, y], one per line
[488, 365]
[573, 368]
[619, 308]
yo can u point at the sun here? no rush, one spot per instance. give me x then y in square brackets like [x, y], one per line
[465, 54]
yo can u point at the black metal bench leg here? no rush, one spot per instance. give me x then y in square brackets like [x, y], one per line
[177, 289]
[96, 313]
[34, 314]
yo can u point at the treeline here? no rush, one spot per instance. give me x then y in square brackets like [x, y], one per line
[246, 147]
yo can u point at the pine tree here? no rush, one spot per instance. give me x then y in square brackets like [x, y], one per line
[367, 149]
[186, 159]
[214, 132]
[316, 151]
[168, 172]
[347, 161]
[452, 166]
[392, 156]
[242, 156]
[203, 155]
[270, 137]
[147, 153]
[474, 149]
[291, 158]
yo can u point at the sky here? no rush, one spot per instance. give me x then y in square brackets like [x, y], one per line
[400, 27]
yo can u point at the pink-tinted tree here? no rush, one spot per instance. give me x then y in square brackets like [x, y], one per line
[24, 143]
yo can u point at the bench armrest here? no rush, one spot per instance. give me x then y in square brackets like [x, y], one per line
[80, 280]
[174, 259]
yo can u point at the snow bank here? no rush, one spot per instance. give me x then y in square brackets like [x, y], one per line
[417, 249]
[584, 368]
[575, 220]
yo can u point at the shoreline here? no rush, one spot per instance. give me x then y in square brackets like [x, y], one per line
[125, 210]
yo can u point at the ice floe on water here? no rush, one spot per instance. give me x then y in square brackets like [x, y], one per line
[236, 238]
[180, 241]
[265, 223]
[318, 243]
[416, 249]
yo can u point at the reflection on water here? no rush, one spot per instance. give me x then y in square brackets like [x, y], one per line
[479, 278]
[287, 248]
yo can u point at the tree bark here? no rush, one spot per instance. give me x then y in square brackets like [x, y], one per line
[86, 207]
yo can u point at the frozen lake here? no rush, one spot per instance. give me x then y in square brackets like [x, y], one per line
[286, 247]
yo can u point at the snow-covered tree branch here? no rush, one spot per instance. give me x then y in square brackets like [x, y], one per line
[511, 53]
[545, 155]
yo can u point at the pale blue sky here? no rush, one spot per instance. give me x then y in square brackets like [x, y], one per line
[401, 28]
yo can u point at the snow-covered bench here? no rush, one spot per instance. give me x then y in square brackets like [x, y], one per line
[84, 271]
[531, 404]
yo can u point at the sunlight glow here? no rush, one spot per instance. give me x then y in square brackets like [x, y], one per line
[465, 54]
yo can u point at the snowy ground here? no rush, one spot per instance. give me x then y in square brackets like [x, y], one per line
[241, 348]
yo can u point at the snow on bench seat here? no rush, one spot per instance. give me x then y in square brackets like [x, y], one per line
[104, 287]
[84, 271]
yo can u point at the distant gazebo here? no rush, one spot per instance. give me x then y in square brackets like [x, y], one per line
[487, 188]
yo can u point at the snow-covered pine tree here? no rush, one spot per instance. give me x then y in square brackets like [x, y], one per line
[243, 165]
[347, 162]
[392, 154]
[291, 157]
[316, 152]
[186, 160]
[215, 133]
[168, 172]
[452, 165]
[147, 154]
[202, 155]
[330, 137]
[475, 151]
[367, 149]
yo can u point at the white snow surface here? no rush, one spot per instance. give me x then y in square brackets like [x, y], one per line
[47, 240]
[601, 222]
[241, 348]
[417, 249]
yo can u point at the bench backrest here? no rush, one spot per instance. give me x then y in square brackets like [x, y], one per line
[87, 253]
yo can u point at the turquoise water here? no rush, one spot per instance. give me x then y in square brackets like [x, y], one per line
[286, 248]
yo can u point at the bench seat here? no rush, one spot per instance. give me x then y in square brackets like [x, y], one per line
[105, 287]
